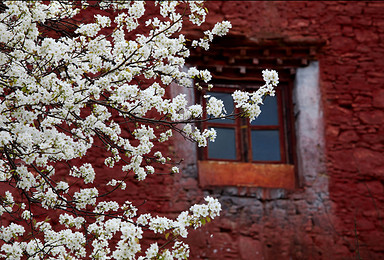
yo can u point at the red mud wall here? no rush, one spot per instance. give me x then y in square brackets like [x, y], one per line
[336, 214]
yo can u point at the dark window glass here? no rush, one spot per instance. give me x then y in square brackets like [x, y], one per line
[264, 140]
[269, 113]
[265, 145]
[224, 146]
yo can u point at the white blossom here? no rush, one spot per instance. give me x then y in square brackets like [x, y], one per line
[215, 107]
[12, 231]
[63, 95]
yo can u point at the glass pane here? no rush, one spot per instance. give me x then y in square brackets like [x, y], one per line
[228, 104]
[265, 145]
[268, 115]
[224, 146]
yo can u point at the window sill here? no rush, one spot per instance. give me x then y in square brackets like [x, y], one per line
[221, 173]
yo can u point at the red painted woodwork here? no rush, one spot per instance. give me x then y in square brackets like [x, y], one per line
[222, 173]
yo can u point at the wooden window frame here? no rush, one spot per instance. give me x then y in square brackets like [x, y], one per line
[237, 58]
[244, 171]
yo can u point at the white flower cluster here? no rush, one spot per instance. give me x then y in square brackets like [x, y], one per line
[165, 136]
[121, 183]
[220, 29]
[26, 215]
[198, 13]
[250, 102]
[85, 197]
[70, 221]
[7, 203]
[60, 96]
[201, 138]
[215, 107]
[12, 231]
[85, 172]
[271, 77]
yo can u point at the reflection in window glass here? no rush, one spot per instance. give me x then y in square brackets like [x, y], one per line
[268, 115]
[224, 146]
[265, 145]
[228, 105]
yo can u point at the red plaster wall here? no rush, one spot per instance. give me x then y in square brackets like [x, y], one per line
[340, 218]
[336, 215]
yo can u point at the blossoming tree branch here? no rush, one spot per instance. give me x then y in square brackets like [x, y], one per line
[68, 86]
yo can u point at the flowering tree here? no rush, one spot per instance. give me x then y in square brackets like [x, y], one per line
[67, 87]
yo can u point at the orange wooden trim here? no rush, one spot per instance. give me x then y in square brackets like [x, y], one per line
[220, 173]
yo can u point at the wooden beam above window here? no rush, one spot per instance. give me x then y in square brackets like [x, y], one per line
[234, 53]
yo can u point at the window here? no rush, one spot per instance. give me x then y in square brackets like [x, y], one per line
[261, 153]
[265, 140]
[265, 144]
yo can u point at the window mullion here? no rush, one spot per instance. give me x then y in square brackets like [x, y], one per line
[282, 125]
